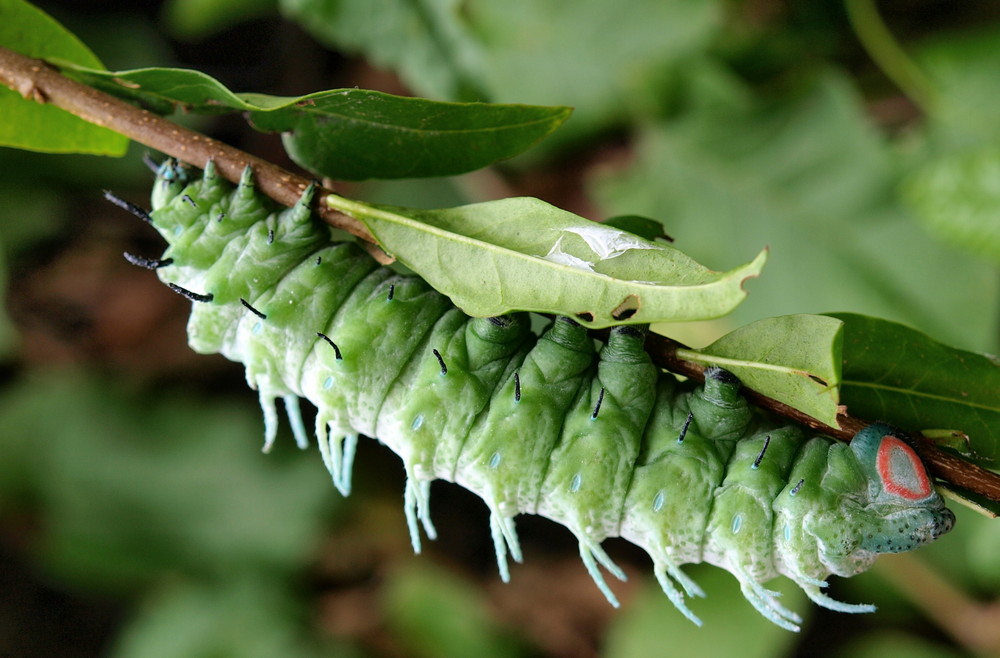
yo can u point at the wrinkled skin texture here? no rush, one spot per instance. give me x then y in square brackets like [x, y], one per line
[599, 441]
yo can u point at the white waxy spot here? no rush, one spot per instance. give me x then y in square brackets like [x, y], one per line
[328, 383]
[495, 460]
[574, 486]
[737, 523]
[658, 501]
[417, 422]
[257, 328]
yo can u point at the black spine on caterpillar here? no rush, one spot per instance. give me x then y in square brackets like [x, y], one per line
[602, 442]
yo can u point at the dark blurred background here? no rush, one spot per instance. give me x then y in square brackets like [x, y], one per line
[137, 515]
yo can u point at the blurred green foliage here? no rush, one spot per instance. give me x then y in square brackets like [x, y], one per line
[737, 124]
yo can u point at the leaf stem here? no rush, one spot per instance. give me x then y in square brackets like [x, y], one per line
[883, 48]
[37, 80]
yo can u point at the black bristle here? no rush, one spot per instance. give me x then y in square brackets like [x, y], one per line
[392, 291]
[444, 368]
[129, 206]
[517, 388]
[597, 407]
[193, 296]
[250, 308]
[147, 263]
[270, 236]
[796, 488]
[336, 350]
[187, 199]
[760, 457]
[684, 430]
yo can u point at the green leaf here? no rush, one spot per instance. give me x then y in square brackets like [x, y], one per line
[170, 485]
[36, 126]
[608, 60]
[650, 623]
[807, 175]
[524, 254]
[435, 614]
[962, 69]
[351, 134]
[900, 375]
[245, 615]
[794, 359]
[957, 198]
[354, 134]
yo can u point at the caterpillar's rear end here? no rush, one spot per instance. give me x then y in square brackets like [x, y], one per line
[602, 442]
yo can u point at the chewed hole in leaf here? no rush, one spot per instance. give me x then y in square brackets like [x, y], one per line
[586, 316]
[628, 308]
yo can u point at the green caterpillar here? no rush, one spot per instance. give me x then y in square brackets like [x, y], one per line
[602, 442]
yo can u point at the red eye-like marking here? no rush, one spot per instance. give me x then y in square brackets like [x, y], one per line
[901, 471]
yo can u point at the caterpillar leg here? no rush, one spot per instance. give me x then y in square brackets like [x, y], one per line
[811, 586]
[295, 420]
[591, 553]
[338, 454]
[270, 419]
[664, 573]
[504, 539]
[764, 600]
[819, 598]
[270, 411]
[416, 505]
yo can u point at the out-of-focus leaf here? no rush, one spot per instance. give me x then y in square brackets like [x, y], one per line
[437, 615]
[900, 375]
[250, 618]
[812, 179]
[651, 626]
[893, 643]
[957, 198]
[523, 254]
[351, 134]
[794, 359]
[609, 60]
[37, 126]
[962, 70]
[133, 485]
[196, 19]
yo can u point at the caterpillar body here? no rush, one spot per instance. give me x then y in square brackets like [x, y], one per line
[602, 442]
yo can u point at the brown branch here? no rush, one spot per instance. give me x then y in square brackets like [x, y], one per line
[942, 465]
[36, 80]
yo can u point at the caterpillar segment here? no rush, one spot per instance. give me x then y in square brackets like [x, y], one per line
[602, 442]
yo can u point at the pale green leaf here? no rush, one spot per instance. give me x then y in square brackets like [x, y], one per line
[794, 359]
[524, 254]
[810, 177]
[957, 198]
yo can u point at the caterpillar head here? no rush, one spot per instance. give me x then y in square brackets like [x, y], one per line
[893, 506]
